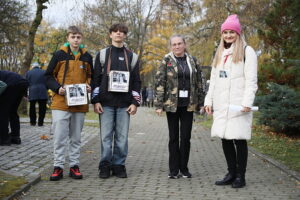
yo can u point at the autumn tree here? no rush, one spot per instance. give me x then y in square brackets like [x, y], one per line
[13, 23]
[29, 53]
[47, 40]
[281, 36]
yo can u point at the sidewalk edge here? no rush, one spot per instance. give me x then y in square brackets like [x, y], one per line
[24, 188]
[284, 168]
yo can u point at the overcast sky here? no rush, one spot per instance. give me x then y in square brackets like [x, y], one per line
[61, 13]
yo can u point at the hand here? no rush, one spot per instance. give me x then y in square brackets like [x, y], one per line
[88, 88]
[62, 91]
[208, 109]
[98, 108]
[158, 112]
[132, 109]
[246, 109]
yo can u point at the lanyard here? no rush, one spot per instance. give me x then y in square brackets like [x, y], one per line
[226, 58]
[183, 68]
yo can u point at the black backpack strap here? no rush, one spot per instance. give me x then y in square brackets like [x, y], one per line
[66, 67]
[245, 53]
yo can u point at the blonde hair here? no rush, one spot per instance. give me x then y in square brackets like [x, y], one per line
[238, 51]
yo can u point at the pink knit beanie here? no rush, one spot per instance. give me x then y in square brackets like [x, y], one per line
[232, 23]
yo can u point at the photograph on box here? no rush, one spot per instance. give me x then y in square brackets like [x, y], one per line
[118, 81]
[76, 94]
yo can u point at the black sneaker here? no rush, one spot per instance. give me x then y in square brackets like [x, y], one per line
[57, 174]
[104, 172]
[75, 172]
[173, 175]
[119, 171]
[186, 174]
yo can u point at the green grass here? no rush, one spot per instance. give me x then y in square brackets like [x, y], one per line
[91, 115]
[9, 184]
[277, 146]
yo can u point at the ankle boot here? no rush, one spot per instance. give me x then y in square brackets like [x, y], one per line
[227, 180]
[239, 181]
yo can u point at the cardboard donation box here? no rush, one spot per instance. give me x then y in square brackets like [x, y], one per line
[76, 94]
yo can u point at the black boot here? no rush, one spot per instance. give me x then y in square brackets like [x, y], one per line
[227, 180]
[239, 181]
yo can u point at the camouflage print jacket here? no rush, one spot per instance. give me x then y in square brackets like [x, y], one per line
[166, 86]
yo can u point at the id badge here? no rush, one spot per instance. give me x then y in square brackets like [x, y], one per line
[224, 74]
[183, 93]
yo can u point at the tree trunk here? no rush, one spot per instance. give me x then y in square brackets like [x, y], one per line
[30, 44]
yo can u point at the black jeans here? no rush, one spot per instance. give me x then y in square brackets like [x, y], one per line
[9, 102]
[179, 154]
[42, 111]
[236, 154]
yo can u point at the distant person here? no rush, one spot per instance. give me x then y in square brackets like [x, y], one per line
[179, 97]
[10, 100]
[72, 64]
[37, 93]
[150, 96]
[144, 96]
[233, 81]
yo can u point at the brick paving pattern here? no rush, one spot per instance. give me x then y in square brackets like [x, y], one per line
[147, 168]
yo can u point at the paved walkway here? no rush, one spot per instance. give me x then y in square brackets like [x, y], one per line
[147, 167]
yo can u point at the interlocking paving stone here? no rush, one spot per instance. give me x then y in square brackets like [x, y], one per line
[147, 168]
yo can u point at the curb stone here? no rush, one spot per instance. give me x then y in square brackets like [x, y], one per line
[24, 188]
[284, 168]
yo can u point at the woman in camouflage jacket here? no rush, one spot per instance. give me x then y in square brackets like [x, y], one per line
[179, 90]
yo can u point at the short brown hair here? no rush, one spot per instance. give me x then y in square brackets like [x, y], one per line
[118, 27]
[73, 30]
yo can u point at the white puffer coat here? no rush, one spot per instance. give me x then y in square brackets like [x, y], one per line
[238, 88]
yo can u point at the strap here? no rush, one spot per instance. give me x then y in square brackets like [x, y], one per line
[102, 56]
[84, 66]
[134, 60]
[66, 67]
[109, 60]
[132, 64]
[245, 53]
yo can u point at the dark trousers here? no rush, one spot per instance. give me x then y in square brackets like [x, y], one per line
[9, 104]
[236, 154]
[42, 111]
[179, 151]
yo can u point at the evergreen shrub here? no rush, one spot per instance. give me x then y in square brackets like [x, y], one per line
[280, 109]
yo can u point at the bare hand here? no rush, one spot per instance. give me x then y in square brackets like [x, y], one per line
[132, 109]
[246, 109]
[208, 109]
[88, 88]
[62, 91]
[98, 108]
[158, 112]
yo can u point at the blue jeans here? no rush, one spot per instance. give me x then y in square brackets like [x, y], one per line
[114, 126]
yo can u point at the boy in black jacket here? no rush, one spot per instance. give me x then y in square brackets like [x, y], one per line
[115, 98]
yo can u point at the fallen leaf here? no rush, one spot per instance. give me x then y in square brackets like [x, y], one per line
[44, 137]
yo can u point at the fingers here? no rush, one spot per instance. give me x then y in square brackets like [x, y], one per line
[61, 91]
[88, 88]
[158, 112]
[208, 109]
[131, 109]
[246, 109]
[98, 108]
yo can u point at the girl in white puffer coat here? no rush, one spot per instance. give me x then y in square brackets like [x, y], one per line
[233, 81]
